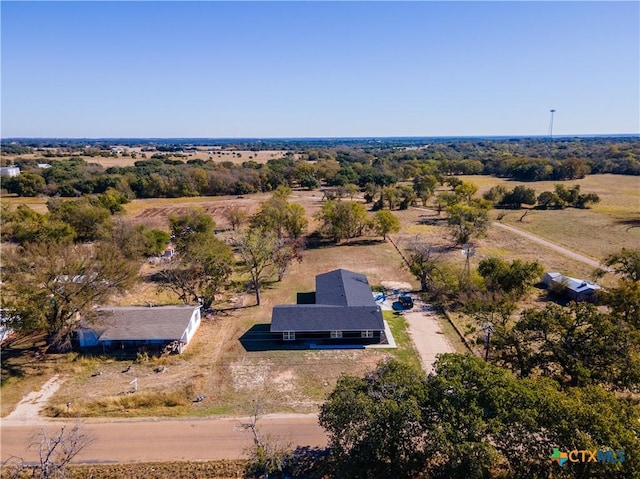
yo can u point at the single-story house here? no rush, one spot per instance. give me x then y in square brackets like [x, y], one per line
[137, 327]
[576, 289]
[344, 311]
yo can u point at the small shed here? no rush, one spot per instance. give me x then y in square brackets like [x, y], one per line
[135, 327]
[574, 288]
[9, 171]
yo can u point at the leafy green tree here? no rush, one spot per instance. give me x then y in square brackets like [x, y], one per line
[236, 217]
[424, 264]
[375, 424]
[625, 263]
[343, 219]
[191, 226]
[351, 190]
[550, 199]
[67, 283]
[25, 184]
[484, 417]
[468, 221]
[138, 241]
[24, 225]
[518, 196]
[585, 200]
[579, 345]
[424, 187]
[624, 300]
[511, 279]
[201, 270]
[470, 419]
[390, 196]
[495, 194]
[385, 222]
[90, 222]
[278, 215]
[204, 263]
[257, 248]
[465, 191]
[407, 197]
[154, 241]
[112, 200]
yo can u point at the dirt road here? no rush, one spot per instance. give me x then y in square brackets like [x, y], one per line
[166, 440]
[553, 246]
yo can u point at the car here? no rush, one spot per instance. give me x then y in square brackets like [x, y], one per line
[406, 301]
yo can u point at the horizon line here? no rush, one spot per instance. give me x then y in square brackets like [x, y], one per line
[359, 137]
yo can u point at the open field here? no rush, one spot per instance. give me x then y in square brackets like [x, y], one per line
[596, 232]
[204, 153]
[36, 204]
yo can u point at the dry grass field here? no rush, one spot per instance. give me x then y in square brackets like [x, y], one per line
[204, 153]
[596, 232]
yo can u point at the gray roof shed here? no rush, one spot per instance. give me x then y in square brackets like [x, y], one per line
[167, 323]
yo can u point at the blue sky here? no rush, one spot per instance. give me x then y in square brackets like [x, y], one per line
[317, 69]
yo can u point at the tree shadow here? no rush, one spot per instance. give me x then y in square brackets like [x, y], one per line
[634, 223]
[311, 463]
[22, 355]
[431, 220]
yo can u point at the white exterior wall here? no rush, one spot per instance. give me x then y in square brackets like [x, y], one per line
[9, 171]
[193, 326]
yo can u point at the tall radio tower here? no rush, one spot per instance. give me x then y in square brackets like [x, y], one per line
[551, 124]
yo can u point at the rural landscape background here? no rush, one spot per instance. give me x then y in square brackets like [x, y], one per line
[71, 192]
[478, 162]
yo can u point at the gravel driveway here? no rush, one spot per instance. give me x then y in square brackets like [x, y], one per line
[427, 334]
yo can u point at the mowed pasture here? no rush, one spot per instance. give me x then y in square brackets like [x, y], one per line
[596, 232]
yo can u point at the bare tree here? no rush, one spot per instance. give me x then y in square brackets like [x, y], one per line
[423, 263]
[55, 451]
[236, 217]
[268, 457]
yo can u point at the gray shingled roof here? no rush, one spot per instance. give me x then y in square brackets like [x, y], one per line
[343, 303]
[139, 323]
[343, 288]
[322, 317]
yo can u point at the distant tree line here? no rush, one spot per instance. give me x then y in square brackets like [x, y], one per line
[166, 174]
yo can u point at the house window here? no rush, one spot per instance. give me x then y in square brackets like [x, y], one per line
[336, 334]
[289, 335]
[367, 334]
